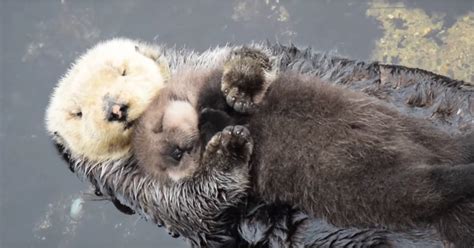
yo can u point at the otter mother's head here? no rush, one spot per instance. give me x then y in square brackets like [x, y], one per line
[93, 108]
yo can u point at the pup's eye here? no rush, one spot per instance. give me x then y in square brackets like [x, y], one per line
[124, 72]
[177, 153]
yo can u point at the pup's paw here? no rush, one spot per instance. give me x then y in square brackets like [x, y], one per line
[239, 101]
[233, 144]
[237, 142]
[245, 77]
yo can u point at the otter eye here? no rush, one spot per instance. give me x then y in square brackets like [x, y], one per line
[177, 153]
[77, 114]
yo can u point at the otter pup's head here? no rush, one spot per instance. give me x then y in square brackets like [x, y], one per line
[94, 106]
[171, 144]
[167, 141]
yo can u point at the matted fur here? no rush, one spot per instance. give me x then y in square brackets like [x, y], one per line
[335, 153]
[119, 177]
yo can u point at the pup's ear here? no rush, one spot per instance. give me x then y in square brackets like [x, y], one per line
[154, 53]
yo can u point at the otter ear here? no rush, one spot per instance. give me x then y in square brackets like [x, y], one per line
[154, 54]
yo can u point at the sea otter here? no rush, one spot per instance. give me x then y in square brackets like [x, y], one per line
[335, 153]
[116, 176]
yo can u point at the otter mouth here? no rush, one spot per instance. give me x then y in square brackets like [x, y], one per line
[128, 125]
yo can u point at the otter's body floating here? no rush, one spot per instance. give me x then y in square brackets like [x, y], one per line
[110, 166]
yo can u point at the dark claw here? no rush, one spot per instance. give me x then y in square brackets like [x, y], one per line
[122, 208]
[228, 130]
[238, 130]
[97, 192]
[159, 223]
[230, 100]
[173, 234]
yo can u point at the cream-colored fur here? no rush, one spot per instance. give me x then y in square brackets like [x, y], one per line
[130, 72]
[180, 114]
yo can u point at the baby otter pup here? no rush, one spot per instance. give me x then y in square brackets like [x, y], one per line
[335, 153]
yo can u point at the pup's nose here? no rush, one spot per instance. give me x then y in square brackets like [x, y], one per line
[117, 112]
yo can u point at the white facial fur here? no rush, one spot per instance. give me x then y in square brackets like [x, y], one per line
[181, 117]
[180, 114]
[129, 72]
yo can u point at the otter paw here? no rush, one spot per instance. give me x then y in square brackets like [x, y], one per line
[244, 78]
[237, 141]
[239, 101]
[234, 142]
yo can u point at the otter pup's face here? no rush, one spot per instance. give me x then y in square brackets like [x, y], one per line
[94, 106]
[166, 142]
[169, 139]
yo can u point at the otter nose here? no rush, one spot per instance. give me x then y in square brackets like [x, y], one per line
[117, 112]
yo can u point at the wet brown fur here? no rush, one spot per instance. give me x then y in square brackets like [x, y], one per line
[335, 153]
[326, 149]
[429, 94]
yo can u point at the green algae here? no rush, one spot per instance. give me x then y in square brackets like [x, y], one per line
[413, 38]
